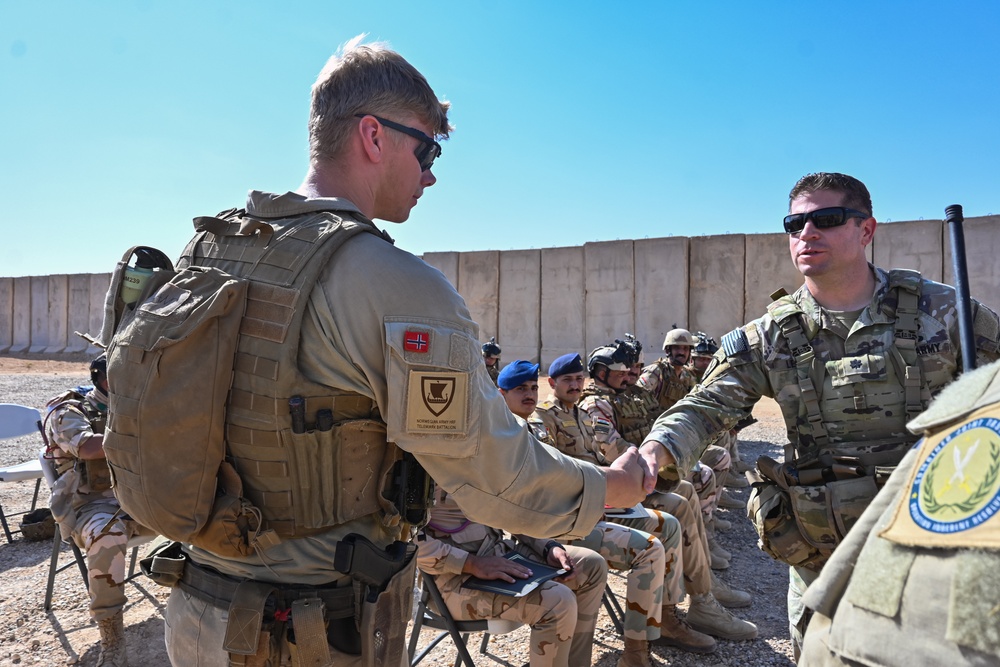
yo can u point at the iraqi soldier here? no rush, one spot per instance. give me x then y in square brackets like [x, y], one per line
[646, 548]
[84, 505]
[916, 580]
[491, 357]
[849, 357]
[608, 368]
[562, 613]
[391, 357]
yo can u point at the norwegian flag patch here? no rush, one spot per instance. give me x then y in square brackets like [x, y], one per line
[417, 341]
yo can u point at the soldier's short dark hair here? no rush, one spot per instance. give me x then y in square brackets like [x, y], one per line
[855, 193]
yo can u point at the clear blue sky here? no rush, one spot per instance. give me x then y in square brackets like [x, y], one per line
[584, 121]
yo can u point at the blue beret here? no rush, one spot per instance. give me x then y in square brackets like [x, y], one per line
[517, 373]
[568, 363]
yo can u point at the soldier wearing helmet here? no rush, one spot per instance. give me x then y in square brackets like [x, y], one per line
[668, 379]
[491, 357]
[701, 356]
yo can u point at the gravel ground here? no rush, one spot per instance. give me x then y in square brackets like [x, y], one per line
[66, 636]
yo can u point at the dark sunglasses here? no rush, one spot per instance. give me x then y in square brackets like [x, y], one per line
[428, 151]
[822, 218]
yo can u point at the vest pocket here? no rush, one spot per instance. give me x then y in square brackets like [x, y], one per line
[825, 513]
[336, 475]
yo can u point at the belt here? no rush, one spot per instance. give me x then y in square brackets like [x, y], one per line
[220, 590]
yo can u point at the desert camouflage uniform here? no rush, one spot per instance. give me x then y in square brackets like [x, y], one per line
[82, 510]
[572, 432]
[860, 394]
[892, 598]
[665, 384]
[494, 372]
[562, 616]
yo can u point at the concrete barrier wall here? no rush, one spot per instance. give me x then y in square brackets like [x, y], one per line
[543, 303]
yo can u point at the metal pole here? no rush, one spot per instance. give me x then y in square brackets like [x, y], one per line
[953, 215]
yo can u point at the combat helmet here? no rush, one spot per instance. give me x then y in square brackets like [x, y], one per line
[99, 369]
[615, 357]
[634, 347]
[490, 348]
[706, 346]
[38, 525]
[678, 336]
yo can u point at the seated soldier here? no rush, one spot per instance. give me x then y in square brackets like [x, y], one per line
[647, 548]
[85, 507]
[606, 403]
[562, 613]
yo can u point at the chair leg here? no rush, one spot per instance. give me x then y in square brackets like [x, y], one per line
[131, 563]
[6, 528]
[615, 611]
[483, 644]
[81, 563]
[34, 499]
[53, 570]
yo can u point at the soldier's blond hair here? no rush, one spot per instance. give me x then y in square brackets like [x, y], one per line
[370, 79]
[855, 193]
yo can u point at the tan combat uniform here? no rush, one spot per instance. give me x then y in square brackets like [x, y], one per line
[378, 321]
[562, 616]
[82, 500]
[855, 388]
[916, 581]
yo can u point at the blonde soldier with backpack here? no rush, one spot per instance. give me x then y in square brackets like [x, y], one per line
[352, 375]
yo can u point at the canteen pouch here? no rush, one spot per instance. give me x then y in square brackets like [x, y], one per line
[383, 622]
[165, 564]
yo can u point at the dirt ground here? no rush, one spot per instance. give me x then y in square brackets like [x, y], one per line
[66, 635]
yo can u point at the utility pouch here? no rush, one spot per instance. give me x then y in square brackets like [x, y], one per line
[165, 564]
[383, 621]
[307, 644]
[826, 512]
[97, 474]
[770, 511]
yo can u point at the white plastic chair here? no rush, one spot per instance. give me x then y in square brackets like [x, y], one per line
[16, 421]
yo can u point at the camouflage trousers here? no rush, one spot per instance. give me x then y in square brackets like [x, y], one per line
[642, 556]
[709, 477]
[799, 580]
[105, 551]
[684, 504]
[562, 616]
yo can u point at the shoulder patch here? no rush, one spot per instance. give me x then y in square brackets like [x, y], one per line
[735, 343]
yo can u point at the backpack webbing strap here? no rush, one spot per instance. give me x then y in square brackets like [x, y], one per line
[904, 352]
[804, 355]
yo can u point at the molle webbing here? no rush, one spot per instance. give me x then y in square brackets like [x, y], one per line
[296, 480]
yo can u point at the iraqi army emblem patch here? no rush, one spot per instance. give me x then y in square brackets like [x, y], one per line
[953, 495]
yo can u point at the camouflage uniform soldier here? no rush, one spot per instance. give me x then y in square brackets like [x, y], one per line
[491, 357]
[849, 358]
[669, 380]
[608, 368]
[562, 615]
[916, 580]
[649, 550]
[85, 507]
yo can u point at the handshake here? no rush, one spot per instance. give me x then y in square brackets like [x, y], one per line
[632, 476]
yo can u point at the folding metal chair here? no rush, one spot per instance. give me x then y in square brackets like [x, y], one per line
[433, 612]
[615, 611]
[17, 421]
[48, 469]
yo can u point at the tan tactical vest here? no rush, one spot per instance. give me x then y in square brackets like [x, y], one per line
[631, 412]
[305, 482]
[671, 388]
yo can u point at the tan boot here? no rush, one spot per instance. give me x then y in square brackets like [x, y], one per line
[735, 481]
[112, 642]
[675, 632]
[636, 654]
[707, 615]
[717, 562]
[721, 524]
[716, 549]
[741, 466]
[731, 502]
[727, 596]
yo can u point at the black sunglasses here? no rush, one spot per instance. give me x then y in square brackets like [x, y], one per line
[823, 218]
[428, 151]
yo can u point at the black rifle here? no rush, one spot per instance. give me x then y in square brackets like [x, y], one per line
[954, 217]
